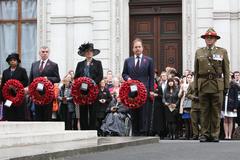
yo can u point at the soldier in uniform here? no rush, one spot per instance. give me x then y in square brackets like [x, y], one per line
[195, 111]
[211, 82]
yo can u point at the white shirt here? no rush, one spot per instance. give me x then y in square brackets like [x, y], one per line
[164, 85]
[136, 59]
[238, 82]
[44, 64]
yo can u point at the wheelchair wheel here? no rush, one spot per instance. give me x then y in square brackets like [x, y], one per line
[128, 127]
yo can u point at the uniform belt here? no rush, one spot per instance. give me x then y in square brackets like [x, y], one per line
[210, 76]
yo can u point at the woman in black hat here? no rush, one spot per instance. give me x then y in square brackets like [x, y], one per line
[14, 71]
[93, 69]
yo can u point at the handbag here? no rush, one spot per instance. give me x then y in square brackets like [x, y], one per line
[187, 103]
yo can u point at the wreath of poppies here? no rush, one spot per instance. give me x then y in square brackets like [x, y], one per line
[79, 97]
[137, 101]
[41, 98]
[11, 86]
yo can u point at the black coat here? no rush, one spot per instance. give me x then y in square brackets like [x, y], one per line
[171, 98]
[102, 107]
[159, 120]
[232, 97]
[50, 71]
[96, 70]
[15, 113]
[19, 74]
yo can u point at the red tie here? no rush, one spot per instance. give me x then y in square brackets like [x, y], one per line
[41, 66]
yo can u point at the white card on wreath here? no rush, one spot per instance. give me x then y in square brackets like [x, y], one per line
[133, 88]
[8, 103]
[40, 86]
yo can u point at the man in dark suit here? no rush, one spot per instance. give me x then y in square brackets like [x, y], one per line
[93, 69]
[140, 67]
[14, 113]
[48, 69]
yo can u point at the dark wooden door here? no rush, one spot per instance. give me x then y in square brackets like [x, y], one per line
[161, 32]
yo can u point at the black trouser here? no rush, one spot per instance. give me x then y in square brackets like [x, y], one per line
[44, 112]
[14, 113]
[188, 128]
[172, 129]
[238, 115]
[87, 117]
[141, 119]
[66, 116]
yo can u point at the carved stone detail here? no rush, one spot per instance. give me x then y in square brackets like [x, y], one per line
[71, 20]
[226, 15]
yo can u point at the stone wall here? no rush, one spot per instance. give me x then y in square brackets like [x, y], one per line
[64, 24]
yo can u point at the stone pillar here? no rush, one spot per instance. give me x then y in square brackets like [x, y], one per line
[226, 15]
[188, 33]
[119, 36]
[63, 26]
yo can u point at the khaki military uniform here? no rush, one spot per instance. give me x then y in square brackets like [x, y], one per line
[211, 69]
[195, 110]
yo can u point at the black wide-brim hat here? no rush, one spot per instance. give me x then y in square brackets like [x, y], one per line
[86, 47]
[13, 56]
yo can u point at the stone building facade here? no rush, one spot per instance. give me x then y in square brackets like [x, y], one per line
[64, 24]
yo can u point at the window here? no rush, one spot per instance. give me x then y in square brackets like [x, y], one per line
[18, 31]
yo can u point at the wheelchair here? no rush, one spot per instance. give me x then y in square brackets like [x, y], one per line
[117, 124]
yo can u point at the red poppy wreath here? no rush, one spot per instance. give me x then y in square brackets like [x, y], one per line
[41, 96]
[138, 100]
[13, 91]
[84, 91]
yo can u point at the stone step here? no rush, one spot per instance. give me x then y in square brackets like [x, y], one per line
[30, 127]
[65, 150]
[24, 139]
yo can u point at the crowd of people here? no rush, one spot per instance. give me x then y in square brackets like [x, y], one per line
[177, 106]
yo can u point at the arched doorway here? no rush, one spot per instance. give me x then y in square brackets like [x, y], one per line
[159, 24]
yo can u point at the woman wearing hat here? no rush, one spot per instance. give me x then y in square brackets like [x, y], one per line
[93, 69]
[14, 71]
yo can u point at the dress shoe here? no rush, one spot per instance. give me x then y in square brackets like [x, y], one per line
[203, 139]
[195, 137]
[215, 140]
